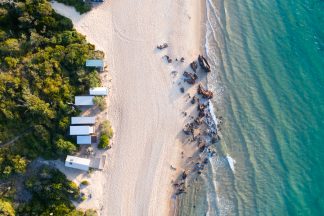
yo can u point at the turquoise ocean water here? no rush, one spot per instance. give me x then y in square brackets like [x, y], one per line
[268, 77]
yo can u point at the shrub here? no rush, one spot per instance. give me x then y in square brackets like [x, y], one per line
[85, 182]
[64, 147]
[104, 142]
[100, 102]
[84, 197]
[90, 212]
[107, 129]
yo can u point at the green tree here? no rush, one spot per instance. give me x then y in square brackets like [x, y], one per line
[11, 62]
[65, 147]
[6, 208]
[7, 171]
[19, 163]
[93, 79]
[10, 46]
[80, 6]
[37, 106]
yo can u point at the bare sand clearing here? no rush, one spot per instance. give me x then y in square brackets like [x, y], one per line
[145, 103]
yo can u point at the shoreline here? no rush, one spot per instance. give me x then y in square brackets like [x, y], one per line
[155, 137]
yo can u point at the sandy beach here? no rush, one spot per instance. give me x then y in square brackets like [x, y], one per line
[145, 104]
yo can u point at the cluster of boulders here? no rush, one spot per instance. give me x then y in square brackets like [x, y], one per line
[201, 129]
[180, 185]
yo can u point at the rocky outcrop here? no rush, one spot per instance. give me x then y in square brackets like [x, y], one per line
[203, 63]
[204, 92]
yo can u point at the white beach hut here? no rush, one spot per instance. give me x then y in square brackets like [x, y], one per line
[96, 63]
[84, 100]
[84, 140]
[98, 91]
[81, 130]
[82, 120]
[77, 163]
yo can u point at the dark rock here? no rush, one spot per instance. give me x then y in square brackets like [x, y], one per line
[163, 46]
[190, 77]
[205, 161]
[194, 66]
[193, 100]
[203, 63]
[202, 147]
[201, 114]
[215, 138]
[204, 92]
[201, 107]
[182, 90]
[184, 175]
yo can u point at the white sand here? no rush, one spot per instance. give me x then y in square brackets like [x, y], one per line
[145, 103]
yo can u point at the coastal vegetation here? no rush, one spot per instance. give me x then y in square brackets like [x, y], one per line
[51, 193]
[106, 134]
[85, 182]
[42, 68]
[6, 208]
[100, 102]
[80, 6]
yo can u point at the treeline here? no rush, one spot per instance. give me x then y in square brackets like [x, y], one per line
[42, 68]
[80, 5]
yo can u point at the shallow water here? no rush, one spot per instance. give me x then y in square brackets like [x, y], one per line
[268, 77]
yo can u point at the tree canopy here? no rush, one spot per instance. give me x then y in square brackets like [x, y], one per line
[42, 68]
[6, 208]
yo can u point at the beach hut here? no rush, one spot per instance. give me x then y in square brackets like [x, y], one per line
[81, 130]
[98, 91]
[96, 63]
[82, 120]
[77, 163]
[84, 100]
[84, 140]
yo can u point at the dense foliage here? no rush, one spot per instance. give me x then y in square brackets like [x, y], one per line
[42, 68]
[11, 163]
[51, 194]
[80, 5]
